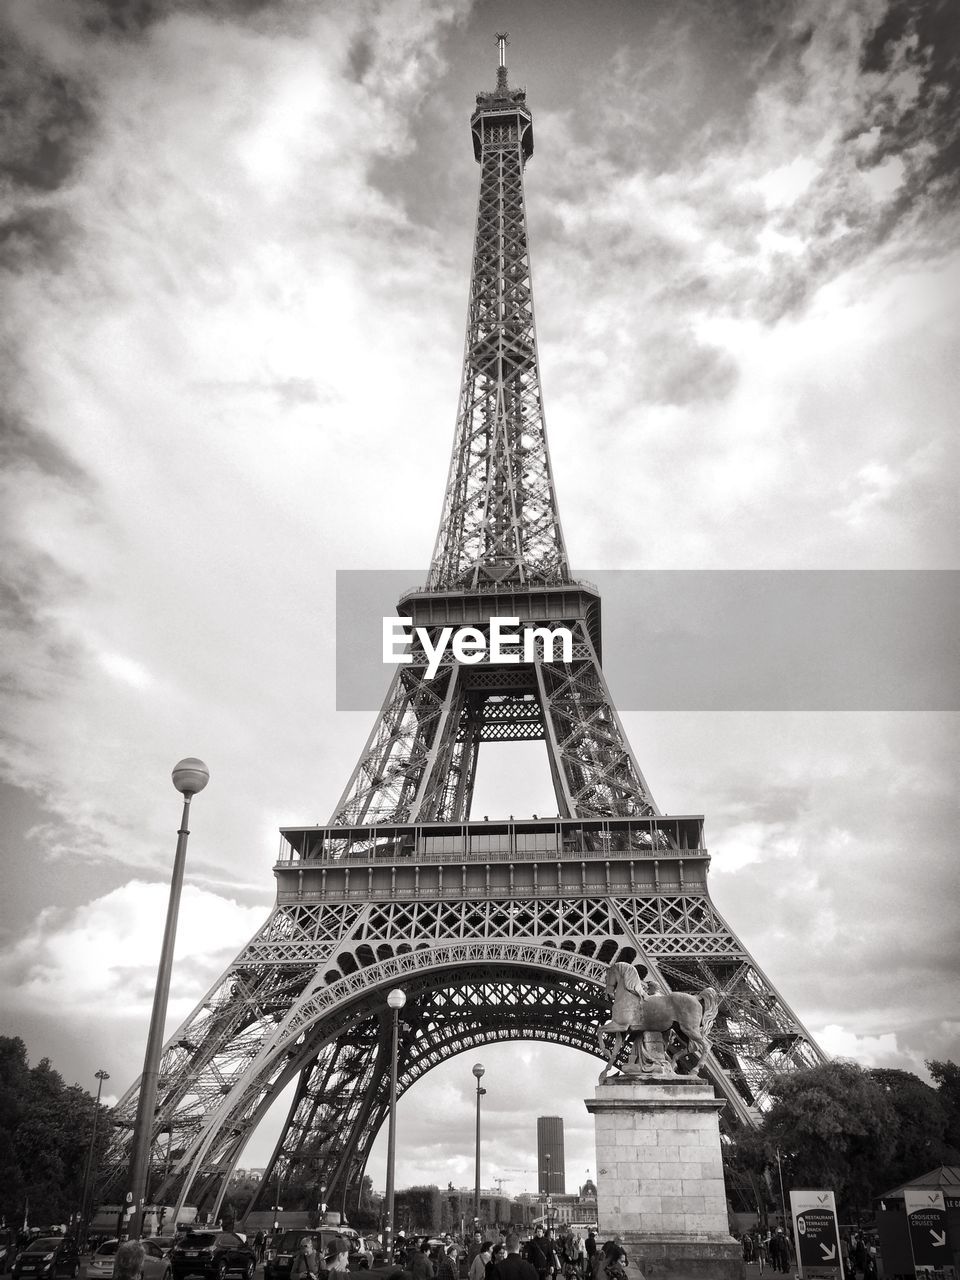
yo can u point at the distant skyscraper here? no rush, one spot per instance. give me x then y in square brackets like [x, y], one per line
[550, 1170]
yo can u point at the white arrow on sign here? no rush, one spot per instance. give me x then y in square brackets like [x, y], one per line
[828, 1254]
[939, 1238]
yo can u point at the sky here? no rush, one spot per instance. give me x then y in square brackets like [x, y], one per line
[235, 252]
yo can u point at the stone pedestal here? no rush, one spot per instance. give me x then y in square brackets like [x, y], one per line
[660, 1178]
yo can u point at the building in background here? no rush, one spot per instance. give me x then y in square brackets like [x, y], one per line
[550, 1167]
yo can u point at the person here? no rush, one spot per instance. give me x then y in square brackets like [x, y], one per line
[338, 1256]
[540, 1254]
[513, 1267]
[475, 1247]
[421, 1268]
[478, 1267]
[306, 1265]
[860, 1252]
[447, 1262]
[779, 1251]
[498, 1253]
[747, 1245]
[569, 1256]
[590, 1247]
[128, 1260]
[611, 1261]
[259, 1240]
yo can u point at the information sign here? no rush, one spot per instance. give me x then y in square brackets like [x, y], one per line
[816, 1234]
[927, 1221]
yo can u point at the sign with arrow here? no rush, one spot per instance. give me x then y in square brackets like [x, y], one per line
[816, 1233]
[927, 1221]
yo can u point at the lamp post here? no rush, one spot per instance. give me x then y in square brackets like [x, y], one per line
[84, 1212]
[478, 1070]
[395, 1000]
[546, 1181]
[190, 776]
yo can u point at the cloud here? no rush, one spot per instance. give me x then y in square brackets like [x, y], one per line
[100, 959]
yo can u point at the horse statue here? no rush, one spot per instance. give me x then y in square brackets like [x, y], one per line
[664, 1028]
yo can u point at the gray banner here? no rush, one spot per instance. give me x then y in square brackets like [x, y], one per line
[725, 640]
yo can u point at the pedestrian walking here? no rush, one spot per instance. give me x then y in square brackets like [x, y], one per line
[475, 1247]
[540, 1254]
[421, 1268]
[306, 1265]
[779, 1251]
[498, 1254]
[447, 1262]
[568, 1254]
[478, 1267]
[590, 1245]
[513, 1267]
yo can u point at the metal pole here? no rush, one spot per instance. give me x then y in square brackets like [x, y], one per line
[476, 1181]
[84, 1212]
[391, 1136]
[189, 777]
[783, 1199]
[478, 1072]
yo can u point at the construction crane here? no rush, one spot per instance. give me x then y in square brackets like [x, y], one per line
[517, 1171]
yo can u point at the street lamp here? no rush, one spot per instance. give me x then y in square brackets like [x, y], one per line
[546, 1180]
[395, 1000]
[84, 1213]
[190, 776]
[478, 1070]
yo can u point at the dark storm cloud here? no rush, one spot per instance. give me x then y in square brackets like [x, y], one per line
[924, 37]
[712, 106]
[44, 118]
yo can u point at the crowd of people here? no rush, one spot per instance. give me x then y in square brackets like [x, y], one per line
[774, 1248]
[767, 1248]
[502, 1256]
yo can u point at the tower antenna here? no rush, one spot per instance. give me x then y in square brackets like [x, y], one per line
[502, 42]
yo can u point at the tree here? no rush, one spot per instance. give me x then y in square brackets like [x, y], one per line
[835, 1127]
[418, 1209]
[45, 1129]
[946, 1076]
[920, 1129]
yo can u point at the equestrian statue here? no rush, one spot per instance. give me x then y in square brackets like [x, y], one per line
[664, 1029]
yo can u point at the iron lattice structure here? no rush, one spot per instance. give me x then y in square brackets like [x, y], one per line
[495, 930]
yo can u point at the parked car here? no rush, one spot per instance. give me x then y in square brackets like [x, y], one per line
[156, 1264]
[279, 1255]
[213, 1254]
[48, 1256]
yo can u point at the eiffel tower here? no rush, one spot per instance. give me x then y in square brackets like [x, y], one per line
[495, 930]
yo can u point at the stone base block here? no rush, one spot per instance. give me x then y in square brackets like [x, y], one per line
[675, 1260]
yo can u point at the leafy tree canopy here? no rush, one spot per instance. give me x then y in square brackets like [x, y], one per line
[856, 1131]
[45, 1131]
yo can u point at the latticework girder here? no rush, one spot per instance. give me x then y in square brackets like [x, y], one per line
[475, 971]
[419, 763]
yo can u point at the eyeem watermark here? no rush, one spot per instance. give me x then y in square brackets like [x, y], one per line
[471, 645]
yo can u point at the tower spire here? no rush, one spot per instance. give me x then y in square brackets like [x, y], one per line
[500, 521]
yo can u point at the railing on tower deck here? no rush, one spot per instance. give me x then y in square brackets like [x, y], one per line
[549, 839]
[504, 587]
